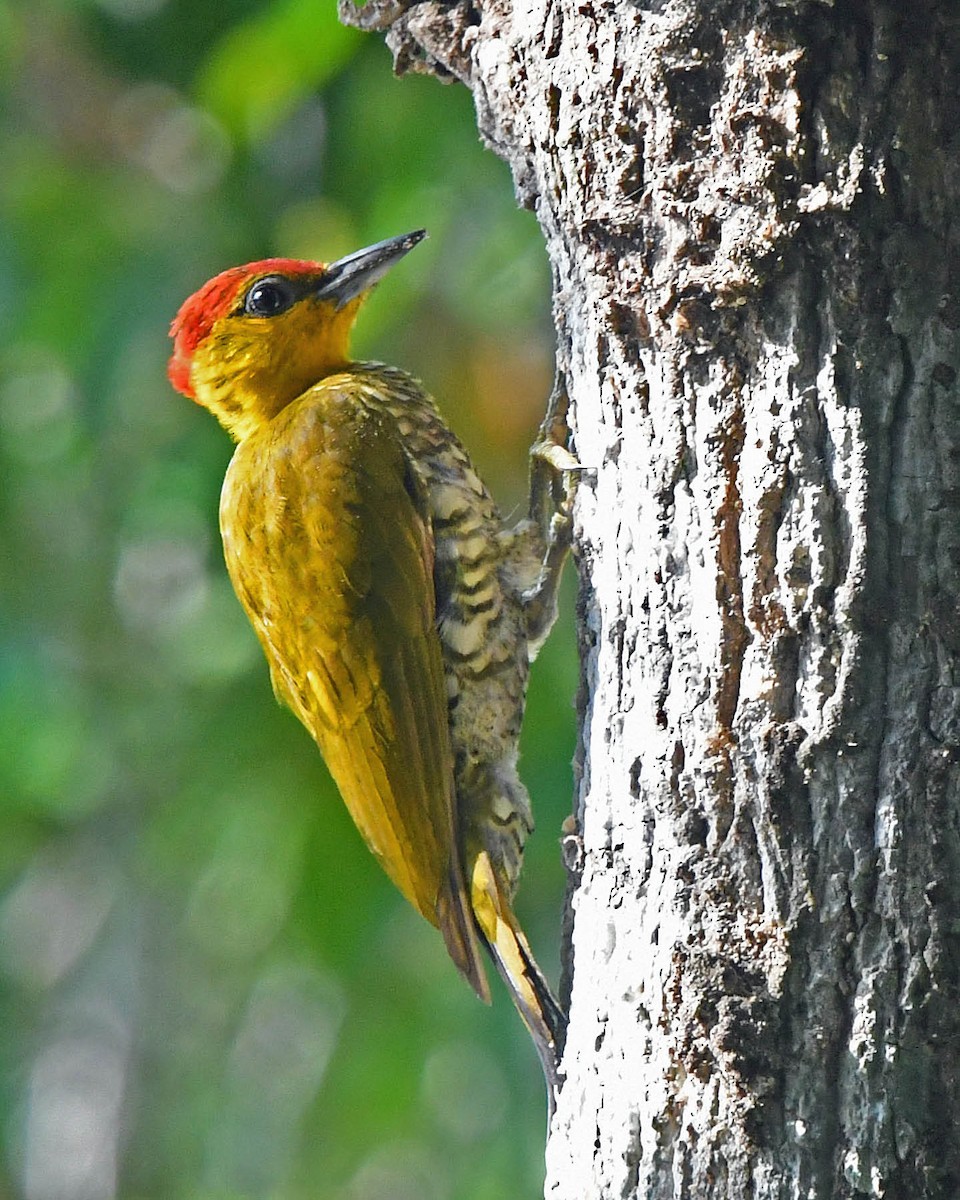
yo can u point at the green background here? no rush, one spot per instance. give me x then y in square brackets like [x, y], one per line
[208, 988]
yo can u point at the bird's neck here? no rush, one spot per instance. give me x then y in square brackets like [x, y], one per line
[245, 392]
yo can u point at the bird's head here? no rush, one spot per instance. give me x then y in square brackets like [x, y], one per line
[256, 337]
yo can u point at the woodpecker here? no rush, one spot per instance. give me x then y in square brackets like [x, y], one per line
[397, 611]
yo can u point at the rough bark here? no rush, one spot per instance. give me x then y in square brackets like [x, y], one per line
[751, 211]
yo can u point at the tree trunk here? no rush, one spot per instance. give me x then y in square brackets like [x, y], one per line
[751, 210]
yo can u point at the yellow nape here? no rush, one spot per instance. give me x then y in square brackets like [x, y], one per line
[249, 368]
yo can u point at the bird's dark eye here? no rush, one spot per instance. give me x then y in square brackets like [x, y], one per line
[269, 297]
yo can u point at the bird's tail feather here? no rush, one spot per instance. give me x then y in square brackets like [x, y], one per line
[538, 1007]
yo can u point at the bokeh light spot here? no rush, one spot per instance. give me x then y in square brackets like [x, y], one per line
[276, 1064]
[73, 1123]
[183, 147]
[465, 1090]
[50, 918]
[401, 1171]
[37, 416]
[243, 894]
[160, 582]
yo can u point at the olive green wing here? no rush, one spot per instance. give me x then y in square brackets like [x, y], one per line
[329, 546]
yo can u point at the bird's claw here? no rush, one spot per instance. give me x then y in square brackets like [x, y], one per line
[555, 455]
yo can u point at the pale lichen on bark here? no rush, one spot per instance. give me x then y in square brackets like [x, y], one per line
[751, 211]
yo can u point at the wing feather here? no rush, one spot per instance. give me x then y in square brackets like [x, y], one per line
[330, 549]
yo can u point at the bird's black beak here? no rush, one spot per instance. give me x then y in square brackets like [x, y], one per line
[346, 278]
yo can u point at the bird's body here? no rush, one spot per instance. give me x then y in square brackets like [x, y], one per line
[397, 613]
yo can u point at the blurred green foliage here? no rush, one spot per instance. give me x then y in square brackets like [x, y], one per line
[208, 988]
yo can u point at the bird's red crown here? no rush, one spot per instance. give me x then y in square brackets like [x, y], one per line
[200, 312]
